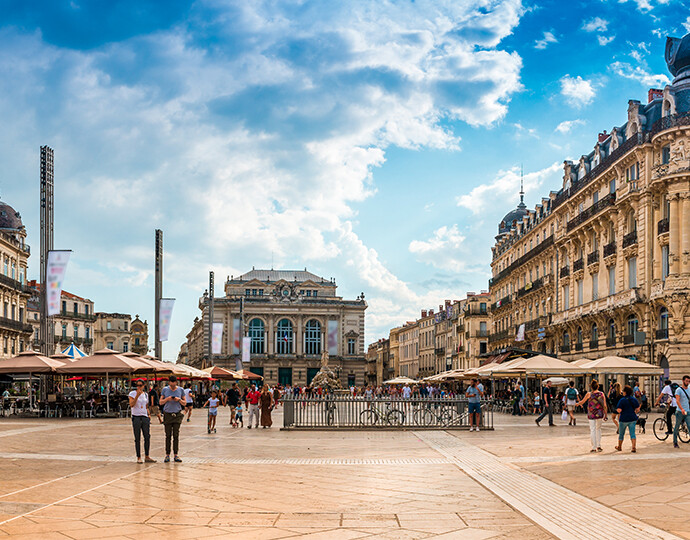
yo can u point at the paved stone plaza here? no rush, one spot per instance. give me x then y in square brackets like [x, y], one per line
[77, 479]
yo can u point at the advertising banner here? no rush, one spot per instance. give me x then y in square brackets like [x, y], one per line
[55, 275]
[246, 349]
[165, 314]
[235, 336]
[217, 337]
[520, 336]
[332, 337]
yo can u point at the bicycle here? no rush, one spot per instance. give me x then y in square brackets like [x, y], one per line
[661, 431]
[424, 415]
[372, 415]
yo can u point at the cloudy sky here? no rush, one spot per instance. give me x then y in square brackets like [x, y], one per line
[375, 142]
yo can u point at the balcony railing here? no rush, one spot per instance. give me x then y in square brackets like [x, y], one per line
[662, 226]
[17, 326]
[578, 265]
[565, 348]
[611, 341]
[593, 343]
[475, 310]
[530, 287]
[662, 333]
[80, 316]
[499, 336]
[440, 350]
[13, 283]
[592, 211]
[628, 339]
[481, 333]
[565, 271]
[578, 346]
[593, 258]
[522, 260]
[609, 249]
[505, 301]
[630, 239]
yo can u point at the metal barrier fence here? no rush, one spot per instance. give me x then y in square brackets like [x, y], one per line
[333, 412]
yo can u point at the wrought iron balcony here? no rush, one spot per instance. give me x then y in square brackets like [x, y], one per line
[79, 316]
[565, 348]
[662, 333]
[440, 350]
[578, 265]
[17, 326]
[13, 283]
[522, 260]
[662, 226]
[628, 339]
[530, 287]
[630, 239]
[578, 346]
[592, 211]
[593, 343]
[481, 333]
[565, 271]
[593, 258]
[611, 341]
[609, 249]
[498, 336]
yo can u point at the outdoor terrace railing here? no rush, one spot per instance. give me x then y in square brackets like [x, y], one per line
[578, 265]
[530, 287]
[592, 258]
[347, 412]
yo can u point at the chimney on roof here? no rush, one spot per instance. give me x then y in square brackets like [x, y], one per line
[447, 303]
[654, 93]
[423, 313]
[431, 312]
[603, 136]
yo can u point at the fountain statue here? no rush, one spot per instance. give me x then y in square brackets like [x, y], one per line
[325, 378]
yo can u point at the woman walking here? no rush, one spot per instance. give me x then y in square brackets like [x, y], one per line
[627, 407]
[266, 404]
[614, 397]
[141, 421]
[596, 414]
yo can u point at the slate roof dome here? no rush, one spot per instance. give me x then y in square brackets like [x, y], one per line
[9, 217]
[511, 217]
[677, 56]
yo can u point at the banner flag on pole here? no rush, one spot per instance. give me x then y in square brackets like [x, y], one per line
[217, 337]
[333, 337]
[55, 275]
[165, 314]
[246, 349]
[236, 336]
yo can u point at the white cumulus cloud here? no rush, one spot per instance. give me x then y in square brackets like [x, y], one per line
[577, 91]
[597, 24]
[565, 126]
[544, 41]
[605, 40]
[638, 73]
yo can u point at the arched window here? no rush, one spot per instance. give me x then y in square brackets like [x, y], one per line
[632, 325]
[663, 319]
[284, 337]
[256, 333]
[594, 336]
[579, 335]
[312, 337]
[566, 339]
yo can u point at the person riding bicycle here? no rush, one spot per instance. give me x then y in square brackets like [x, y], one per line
[669, 400]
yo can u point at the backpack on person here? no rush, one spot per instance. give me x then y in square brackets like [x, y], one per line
[571, 393]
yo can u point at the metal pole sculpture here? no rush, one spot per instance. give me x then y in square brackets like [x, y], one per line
[158, 293]
[47, 183]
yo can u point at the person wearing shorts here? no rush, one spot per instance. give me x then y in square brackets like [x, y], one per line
[474, 395]
[189, 401]
[212, 404]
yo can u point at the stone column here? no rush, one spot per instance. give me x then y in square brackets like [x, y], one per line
[656, 216]
[298, 336]
[674, 235]
[684, 225]
[270, 336]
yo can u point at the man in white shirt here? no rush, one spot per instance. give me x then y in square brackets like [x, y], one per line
[141, 421]
[669, 400]
[407, 391]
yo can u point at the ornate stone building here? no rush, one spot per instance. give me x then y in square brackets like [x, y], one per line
[140, 336]
[15, 332]
[408, 346]
[291, 317]
[602, 266]
[74, 324]
[113, 331]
